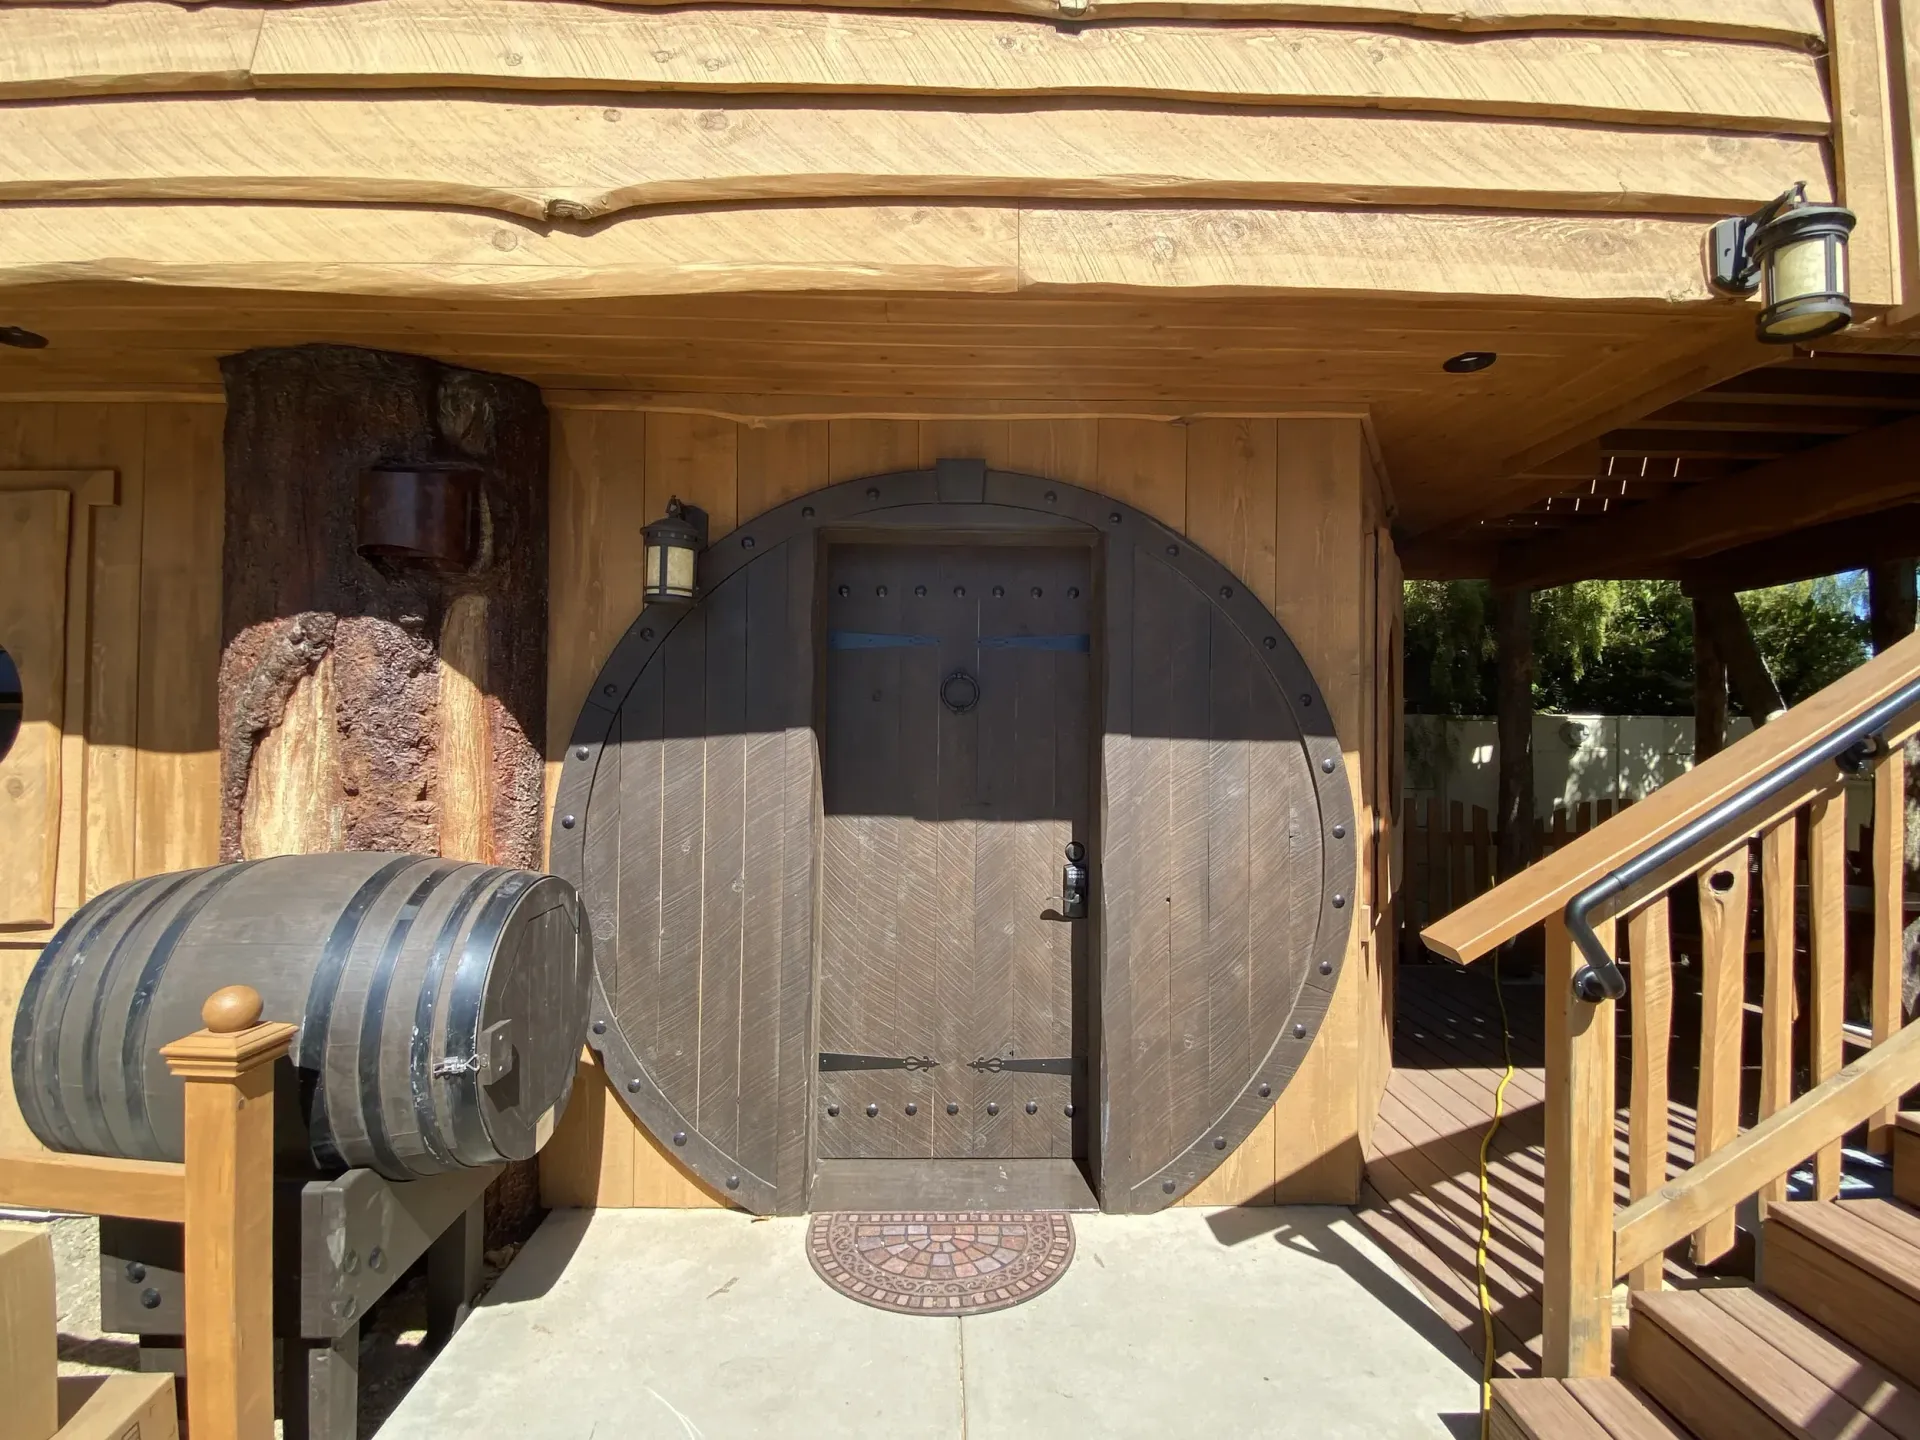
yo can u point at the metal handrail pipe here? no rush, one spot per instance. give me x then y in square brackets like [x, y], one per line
[1600, 978]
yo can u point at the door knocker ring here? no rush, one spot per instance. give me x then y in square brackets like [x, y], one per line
[960, 692]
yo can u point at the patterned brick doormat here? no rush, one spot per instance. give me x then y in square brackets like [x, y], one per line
[940, 1263]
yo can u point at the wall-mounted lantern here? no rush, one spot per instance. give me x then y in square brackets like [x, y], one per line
[674, 542]
[1798, 251]
[418, 517]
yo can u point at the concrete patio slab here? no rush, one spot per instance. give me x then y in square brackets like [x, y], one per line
[705, 1325]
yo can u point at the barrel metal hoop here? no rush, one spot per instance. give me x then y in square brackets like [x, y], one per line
[310, 1054]
[419, 1063]
[471, 1142]
[42, 1096]
[133, 1045]
[373, 1024]
[419, 1054]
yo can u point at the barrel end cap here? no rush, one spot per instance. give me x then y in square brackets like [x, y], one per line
[231, 1009]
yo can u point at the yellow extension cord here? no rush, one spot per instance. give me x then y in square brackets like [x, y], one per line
[1486, 1210]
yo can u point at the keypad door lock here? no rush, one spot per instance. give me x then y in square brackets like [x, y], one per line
[1073, 883]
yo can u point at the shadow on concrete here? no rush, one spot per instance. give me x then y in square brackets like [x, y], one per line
[1309, 1230]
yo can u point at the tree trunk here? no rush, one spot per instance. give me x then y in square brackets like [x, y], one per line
[1890, 603]
[1719, 612]
[1709, 692]
[1513, 708]
[370, 703]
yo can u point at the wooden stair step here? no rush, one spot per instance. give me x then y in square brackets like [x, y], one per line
[1851, 1268]
[1699, 1356]
[1870, 1388]
[1906, 1158]
[1576, 1410]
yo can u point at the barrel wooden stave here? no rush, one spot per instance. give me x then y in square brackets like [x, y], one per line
[391, 964]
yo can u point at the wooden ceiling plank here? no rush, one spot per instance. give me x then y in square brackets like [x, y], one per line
[563, 160]
[1841, 479]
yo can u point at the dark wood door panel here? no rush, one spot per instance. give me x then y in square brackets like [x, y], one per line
[951, 793]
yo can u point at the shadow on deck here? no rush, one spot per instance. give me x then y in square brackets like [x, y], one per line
[1421, 1202]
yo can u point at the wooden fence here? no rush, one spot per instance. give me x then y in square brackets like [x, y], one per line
[1448, 853]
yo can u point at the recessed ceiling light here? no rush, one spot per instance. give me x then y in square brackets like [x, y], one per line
[22, 338]
[1469, 361]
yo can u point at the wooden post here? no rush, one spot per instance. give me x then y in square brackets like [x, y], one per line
[1778, 847]
[1651, 996]
[1719, 611]
[1889, 918]
[1709, 692]
[1896, 816]
[1827, 945]
[1723, 983]
[228, 1070]
[1577, 1291]
[1513, 709]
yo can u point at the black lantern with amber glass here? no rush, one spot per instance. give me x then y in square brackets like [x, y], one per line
[674, 543]
[1797, 252]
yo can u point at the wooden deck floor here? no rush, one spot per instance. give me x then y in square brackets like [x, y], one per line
[1421, 1202]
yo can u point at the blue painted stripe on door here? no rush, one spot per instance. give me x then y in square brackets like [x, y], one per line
[1081, 643]
[871, 640]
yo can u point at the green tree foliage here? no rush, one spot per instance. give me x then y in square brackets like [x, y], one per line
[1621, 647]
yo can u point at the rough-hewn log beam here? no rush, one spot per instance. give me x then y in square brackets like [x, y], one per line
[1855, 476]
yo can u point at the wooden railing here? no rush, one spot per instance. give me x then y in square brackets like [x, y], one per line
[222, 1195]
[1701, 829]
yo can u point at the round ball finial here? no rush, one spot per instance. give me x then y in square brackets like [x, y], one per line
[231, 1009]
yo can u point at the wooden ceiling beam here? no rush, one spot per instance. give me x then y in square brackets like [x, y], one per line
[1839, 480]
[1806, 554]
[1701, 444]
[1784, 419]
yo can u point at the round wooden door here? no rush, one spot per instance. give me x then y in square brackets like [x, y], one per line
[693, 817]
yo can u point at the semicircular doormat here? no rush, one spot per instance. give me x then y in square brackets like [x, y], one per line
[940, 1263]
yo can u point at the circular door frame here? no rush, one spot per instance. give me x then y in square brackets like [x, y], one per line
[956, 491]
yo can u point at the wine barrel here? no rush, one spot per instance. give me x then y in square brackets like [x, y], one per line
[441, 1006]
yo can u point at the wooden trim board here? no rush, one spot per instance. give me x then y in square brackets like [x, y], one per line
[956, 248]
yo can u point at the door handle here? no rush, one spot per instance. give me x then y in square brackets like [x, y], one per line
[1073, 883]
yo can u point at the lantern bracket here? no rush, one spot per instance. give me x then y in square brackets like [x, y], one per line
[1733, 268]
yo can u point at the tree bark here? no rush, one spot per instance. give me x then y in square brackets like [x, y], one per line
[368, 705]
[1513, 709]
[1709, 692]
[1719, 612]
[1890, 603]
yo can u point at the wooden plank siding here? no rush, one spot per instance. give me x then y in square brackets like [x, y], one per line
[1252, 491]
[1544, 165]
[139, 771]
[562, 45]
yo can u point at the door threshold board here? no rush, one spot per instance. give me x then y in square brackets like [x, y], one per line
[951, 1185]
